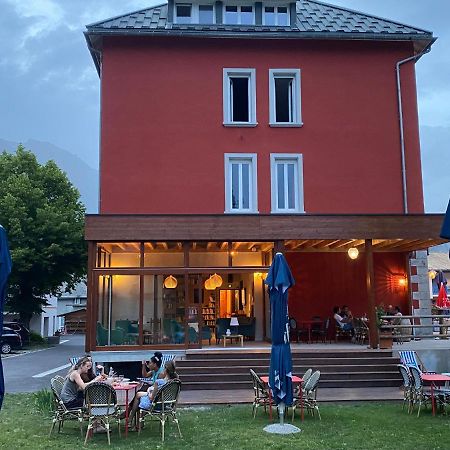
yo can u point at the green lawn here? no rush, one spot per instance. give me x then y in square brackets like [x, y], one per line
[348, 426]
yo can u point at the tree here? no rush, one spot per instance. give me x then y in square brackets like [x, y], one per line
[42, 213]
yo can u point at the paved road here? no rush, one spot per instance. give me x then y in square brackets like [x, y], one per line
[20, 370]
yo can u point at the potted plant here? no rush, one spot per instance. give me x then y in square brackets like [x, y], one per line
[384, 335]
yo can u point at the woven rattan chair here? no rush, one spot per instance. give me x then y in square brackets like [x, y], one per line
[163, 406]
[309, 396]
[408, 386]
[63, 413]
[420, 395]
[261, 394]
[101, 404]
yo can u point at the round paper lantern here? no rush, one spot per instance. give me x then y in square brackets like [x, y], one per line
[353, 253]
[209, 284]
[216, 280]
[170, 282]
[432, 274]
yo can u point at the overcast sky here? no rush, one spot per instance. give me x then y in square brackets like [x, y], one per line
[49, 89]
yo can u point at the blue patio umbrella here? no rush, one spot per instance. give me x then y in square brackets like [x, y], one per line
[5, 270]
[445, 232]
[279, 280]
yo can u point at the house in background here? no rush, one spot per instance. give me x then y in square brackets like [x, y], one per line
[438, 262]
[232, 131]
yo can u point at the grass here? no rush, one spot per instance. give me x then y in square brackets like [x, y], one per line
[343, 426]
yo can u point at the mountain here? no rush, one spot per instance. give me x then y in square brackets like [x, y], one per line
[82, 176]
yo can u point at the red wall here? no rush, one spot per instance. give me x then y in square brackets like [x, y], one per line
[324, 280]
[163, 142]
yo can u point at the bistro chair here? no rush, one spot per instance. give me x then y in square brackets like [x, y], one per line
[261, 394]
[408, 386]
[411, 359]
[63, 413]
[320, 330]
[295, 331]
[101, 404]
[421, 396]
[163, 406]
[308, 395]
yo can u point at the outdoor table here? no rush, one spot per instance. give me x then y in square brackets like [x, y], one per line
[434, 378]
[126, 387]
[308, 324]
[295, 379]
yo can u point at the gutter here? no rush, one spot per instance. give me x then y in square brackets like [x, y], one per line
[401, 122]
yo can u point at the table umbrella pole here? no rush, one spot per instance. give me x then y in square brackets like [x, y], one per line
[281, 409]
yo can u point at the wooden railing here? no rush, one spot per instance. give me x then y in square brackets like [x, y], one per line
[396, 328]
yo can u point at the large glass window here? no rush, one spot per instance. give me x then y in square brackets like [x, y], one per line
[163, 254]
[118, 310]
[239, 97]
[206, 14]
[208, 254]
[118, 254]
[287, 183]
[240, 179]
[284, 97]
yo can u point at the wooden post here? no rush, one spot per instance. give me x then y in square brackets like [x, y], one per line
[370, 283]
[92, 295]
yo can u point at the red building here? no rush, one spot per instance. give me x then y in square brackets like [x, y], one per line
[230, 131]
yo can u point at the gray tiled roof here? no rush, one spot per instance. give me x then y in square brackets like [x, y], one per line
[312, 17]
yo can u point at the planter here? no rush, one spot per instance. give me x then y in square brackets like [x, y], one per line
[53, 340]
[385, 340]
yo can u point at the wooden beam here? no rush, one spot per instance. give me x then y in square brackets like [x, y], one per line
[370, 283]
[341, 243]
[299, 244]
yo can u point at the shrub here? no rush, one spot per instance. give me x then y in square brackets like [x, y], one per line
[36, 338]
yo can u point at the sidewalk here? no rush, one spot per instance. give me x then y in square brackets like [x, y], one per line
[243, 396]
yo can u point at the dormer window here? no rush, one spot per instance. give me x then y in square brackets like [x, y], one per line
[188, 13]
[276, 16]
[183, 13]
[239, 15]
[205, 14]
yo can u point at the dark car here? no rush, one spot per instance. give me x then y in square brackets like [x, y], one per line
[10, 340]
[19, 329]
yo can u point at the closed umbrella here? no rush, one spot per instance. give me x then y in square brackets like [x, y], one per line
[442, 299]
[5, 270]
[279, 280]
[445, 232]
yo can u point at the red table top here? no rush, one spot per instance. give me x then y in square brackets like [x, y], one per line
[435, 377]
[126, 386]
[295, 379]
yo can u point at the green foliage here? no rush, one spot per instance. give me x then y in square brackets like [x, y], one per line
[43, 401]
[41, 211]
[362, 425]
[36, 338]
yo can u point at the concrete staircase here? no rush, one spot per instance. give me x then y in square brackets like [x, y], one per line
[339, 369]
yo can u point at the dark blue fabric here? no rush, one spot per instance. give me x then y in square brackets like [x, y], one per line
[5, 270]
[279, 280]
[445, 232]
[440, 279]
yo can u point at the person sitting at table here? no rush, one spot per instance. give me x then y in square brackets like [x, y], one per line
[72, 393]
[152, 369]
[90, 375]
[345, 323]
[400, 321]
[346, 313]
[143, 399]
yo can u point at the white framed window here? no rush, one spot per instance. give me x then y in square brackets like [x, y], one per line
[238, 15]
[284, 98]
[186, 13]
[276, 16]
[239, 97]
[240, 183]
[286, 172]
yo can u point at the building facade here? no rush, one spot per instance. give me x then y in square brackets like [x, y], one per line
[231, 131]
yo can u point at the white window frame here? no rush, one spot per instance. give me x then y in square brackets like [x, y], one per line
[296, 106]
[230, 158]
[227, 97]
[273, 5]
[297, 158]
[238, 13]
[195, 13]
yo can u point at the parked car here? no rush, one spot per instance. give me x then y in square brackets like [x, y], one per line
[19, 329]
[10, 340]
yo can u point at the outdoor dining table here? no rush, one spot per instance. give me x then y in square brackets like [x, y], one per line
[127, 387]
[295, 379]
[435, 378]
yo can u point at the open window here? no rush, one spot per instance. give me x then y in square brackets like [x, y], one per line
[239, 97]
[284, 97]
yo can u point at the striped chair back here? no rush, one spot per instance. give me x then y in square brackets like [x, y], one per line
[74, 359]
[409, 359]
